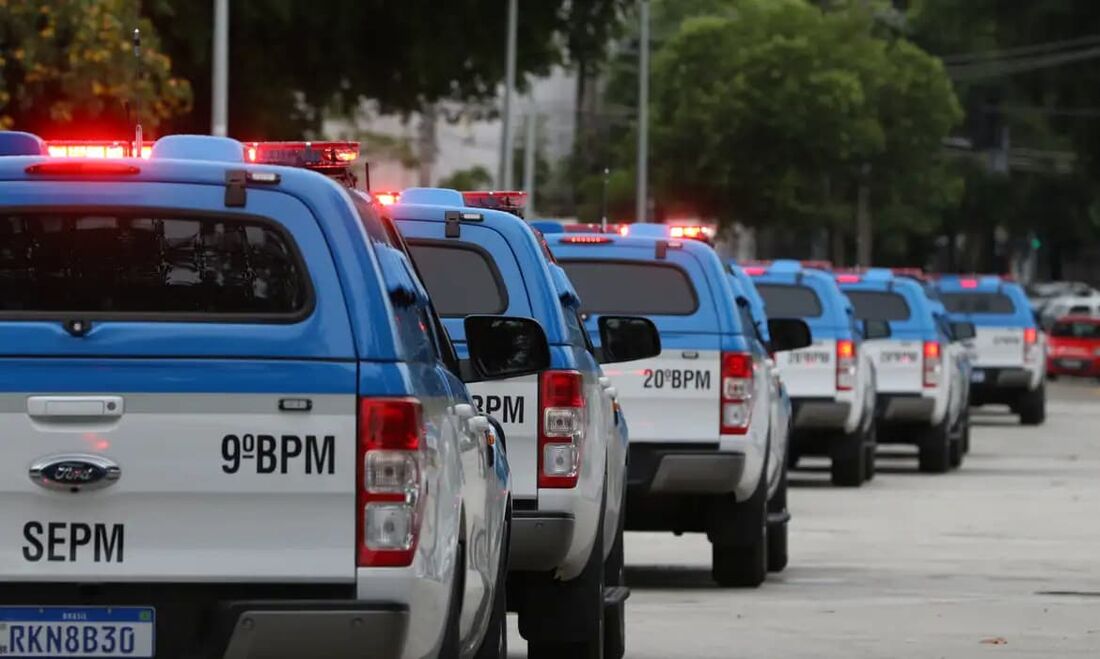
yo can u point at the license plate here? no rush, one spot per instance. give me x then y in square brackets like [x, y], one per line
[31, 631]
[977, 376]
[1072, 363]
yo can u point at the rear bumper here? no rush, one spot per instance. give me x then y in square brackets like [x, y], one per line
[820, 413]
[540, 540]
[1000, 385]
[291, 630]
[1085, 366]
[243, 621]
[691, 469]
[905, 408]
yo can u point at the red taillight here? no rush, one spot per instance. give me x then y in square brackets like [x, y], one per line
[561, 428]
[389, 481]
[83, 168]
[933, 364]
[1031, 342]
[736, 394]
[586, 240]
[845, 364]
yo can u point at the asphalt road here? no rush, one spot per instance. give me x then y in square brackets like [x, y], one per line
[1001, 558]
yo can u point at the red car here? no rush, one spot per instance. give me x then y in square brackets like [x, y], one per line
[1074, 347]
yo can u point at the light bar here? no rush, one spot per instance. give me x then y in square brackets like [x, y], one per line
[94, 149]
[387, 198]
[311, 155]
[848, 279]
[586, 239]
[510, 202]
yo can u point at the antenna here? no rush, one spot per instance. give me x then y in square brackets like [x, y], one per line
[137, 94]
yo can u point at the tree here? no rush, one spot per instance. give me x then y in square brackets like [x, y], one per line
[68, 69]
[292, 62]
[768, 112]
[473, 178]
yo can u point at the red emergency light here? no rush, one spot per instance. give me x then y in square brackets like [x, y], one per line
[584, 239]
[94, 149]
[387, 198]
[311, 155]
[509, 202]
[695, 232]
[968, 283]
[754, 270]
[848, 278]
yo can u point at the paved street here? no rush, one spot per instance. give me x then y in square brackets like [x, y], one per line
[999, 559]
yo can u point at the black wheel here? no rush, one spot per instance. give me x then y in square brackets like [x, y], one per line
[551, 625]
[739, 550]
[871, 449]
[495, 643]
[1052, 376]
[792, 459]
[849, 454]
[935, 449]
[614, 617]
[1032, 407]
[450, 646]
[955, 453]
[777, 533]
[966, 433]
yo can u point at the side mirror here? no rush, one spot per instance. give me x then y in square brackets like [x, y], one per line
[876, 329]
[503, 347]
[627, 338]
[788, 334]
[962, 331]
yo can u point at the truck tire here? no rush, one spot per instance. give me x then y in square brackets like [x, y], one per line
[495, 643]
[778, 533]
[966, 432]
[549, 615]
[614, 616]
[1032, 407]
[849, 453]
[935, 449]
[739, 549]
[871, 447]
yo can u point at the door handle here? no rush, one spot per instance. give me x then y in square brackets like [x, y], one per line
[75, 406]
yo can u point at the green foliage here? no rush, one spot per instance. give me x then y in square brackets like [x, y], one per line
[473, 178]
[67, 68]
[767, 113]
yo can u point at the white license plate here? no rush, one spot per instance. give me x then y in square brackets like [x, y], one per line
[977, 376]
[1072, 363]
[31, 631]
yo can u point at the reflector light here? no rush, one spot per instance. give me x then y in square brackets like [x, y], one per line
[561, 428]
[387, 198]
[586, 240]
[735, 411]
[510, 202]
[968, 283]
[311, 155]
[1031, 344]
[83, 168]
[93, 149]
[845, 364]
[933, 364]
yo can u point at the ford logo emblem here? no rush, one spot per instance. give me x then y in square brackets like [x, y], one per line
[75, 473]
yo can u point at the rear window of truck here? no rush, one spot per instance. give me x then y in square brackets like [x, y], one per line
[790, 301]
[879, 305]
[461, 278]
[618, 287]
[171, 267]
[993, 303]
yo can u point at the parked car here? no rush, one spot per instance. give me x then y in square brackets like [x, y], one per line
[1074, 347]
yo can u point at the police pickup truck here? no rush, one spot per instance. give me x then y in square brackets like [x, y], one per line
[701, 412]
[1008, 351]
[922, 393]
[233, 427]
[567, 453]
[832, 382]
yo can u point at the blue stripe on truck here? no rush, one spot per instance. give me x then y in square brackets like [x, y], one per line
[68, 375]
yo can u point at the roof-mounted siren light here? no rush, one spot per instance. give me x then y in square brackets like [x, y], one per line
[96, 149]
[510, 202]
[387, 198]
[333, 159]
[699, 232]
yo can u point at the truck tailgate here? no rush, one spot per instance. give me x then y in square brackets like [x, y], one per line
[809, 372]
[672, 397]
[216, 481]
[998, 347]
[898, 365]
